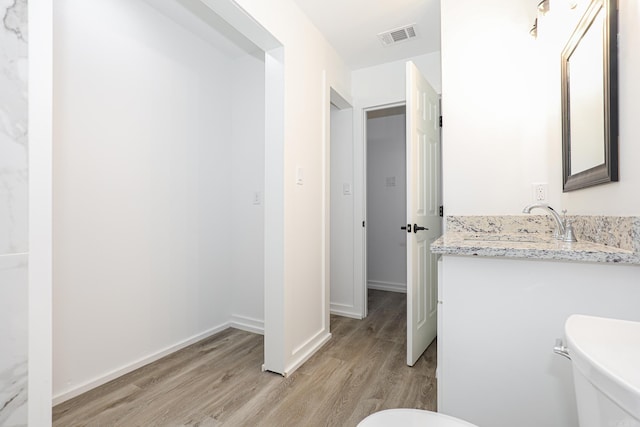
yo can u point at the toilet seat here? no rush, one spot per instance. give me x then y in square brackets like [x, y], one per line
[411, 418]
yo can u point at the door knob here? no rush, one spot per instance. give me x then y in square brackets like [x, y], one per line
[417, 228]
[407, 227]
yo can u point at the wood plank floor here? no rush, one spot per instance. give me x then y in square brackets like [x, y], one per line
[218, 381]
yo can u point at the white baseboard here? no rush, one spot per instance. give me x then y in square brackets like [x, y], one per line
[248, 324]
[103, 379]
[343, 310]
[306, 350]
[387, 286]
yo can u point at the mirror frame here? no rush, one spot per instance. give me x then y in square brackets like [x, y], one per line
[607, 171]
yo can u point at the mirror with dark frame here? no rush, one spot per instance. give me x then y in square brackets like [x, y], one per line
[590, 99]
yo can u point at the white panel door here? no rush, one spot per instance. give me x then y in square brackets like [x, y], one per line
[423, 207]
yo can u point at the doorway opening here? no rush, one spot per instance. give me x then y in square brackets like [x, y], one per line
[385, 252]
[386, 189]
[162, 160]
[341, 296]
[418, 216]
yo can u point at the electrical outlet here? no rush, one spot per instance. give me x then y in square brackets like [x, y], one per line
[540, 192]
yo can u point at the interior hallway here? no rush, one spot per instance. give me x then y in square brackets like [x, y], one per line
[218, 381]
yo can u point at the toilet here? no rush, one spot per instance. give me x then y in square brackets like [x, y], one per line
[411, 418]
[604, 355]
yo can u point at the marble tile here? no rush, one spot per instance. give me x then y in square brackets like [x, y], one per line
[13, 127]
[13, 340]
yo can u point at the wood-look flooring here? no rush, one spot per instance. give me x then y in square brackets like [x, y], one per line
[218, 381]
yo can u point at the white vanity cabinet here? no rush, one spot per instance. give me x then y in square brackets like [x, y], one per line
[498, 322]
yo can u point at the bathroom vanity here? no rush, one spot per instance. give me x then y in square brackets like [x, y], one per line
[506, 288]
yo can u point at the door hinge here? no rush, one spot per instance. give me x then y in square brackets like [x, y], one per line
[362, 224]
[440, 121]
[441, 210]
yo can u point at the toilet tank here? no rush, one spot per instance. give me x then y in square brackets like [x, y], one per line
[605, 354]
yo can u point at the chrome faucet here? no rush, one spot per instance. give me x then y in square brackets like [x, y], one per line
[560, 231]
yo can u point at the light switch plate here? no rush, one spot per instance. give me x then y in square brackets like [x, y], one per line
[299, 176]
[257, 197]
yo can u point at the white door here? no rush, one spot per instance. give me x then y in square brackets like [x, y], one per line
[423, 208]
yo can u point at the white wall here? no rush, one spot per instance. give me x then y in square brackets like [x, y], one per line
[386, 203]
[501, 103]
[343, 300]
[308, 58]
[247, 178]
[494, 144]
[143, 184]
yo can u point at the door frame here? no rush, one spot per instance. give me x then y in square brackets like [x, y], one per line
[362, 241]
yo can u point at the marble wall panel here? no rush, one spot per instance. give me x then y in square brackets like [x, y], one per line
[13, 127]
[13, 340]
[13, 213]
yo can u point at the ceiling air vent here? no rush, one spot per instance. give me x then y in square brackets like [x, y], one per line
[398, 35]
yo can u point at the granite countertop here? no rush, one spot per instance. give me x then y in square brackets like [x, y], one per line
[531, 239]
[526, 246]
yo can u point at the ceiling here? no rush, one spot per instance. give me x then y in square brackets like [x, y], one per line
[351, 26]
